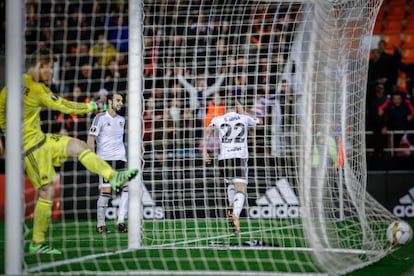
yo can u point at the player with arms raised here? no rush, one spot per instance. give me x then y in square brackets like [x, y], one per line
[233, 157]
[42, 152]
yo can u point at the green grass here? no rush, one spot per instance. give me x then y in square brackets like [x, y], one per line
[195, 252]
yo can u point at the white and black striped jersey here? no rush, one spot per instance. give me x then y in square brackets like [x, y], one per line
[233, 132]
[109, 132]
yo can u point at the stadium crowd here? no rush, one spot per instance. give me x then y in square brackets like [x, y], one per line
[191, 62]
[390, 101]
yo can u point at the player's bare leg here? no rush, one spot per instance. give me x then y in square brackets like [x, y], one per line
[102, 204]
[123, 211]
[238, 204]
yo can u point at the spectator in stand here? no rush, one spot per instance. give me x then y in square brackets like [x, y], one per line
[122, 63]
[88, 78]
[408, 68]
[102, 96]
[376, 123]
[67, 74]
[287, 103]
[239, 89]
[72, 124]
[398, 113]
[113, 78]
[103, 51]
[152, 139]
[99, 15]
[263, 106]
[199, 34]
[149, 62]
[200, 92]
[382, 69]
[182, 117]
[215, 107]
[78, 29]
[118, 33]
[83, 56]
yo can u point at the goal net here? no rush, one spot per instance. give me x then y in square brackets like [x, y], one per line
[299, 66]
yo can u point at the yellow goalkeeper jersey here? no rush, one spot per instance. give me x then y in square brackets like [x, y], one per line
[36, 96]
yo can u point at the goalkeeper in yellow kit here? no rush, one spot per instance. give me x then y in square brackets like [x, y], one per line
[43, 152]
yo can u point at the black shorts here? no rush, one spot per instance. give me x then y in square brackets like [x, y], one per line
[235, 168]
[116, 165]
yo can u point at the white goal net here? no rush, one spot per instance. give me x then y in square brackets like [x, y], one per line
[299, 66]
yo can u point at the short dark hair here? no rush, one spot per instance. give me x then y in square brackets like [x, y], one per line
[112, 94]
[42, 55]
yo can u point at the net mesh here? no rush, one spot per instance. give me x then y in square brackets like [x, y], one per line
[299, 66]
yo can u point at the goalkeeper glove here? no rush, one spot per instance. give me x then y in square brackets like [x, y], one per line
[98, 106]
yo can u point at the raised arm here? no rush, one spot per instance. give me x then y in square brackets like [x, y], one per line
[215, 87]
[190, 89]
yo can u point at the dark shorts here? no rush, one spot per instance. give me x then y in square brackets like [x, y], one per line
[117, 165]
[235, 168]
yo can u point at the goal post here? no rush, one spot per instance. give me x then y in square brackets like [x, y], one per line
[135, 88]
[299, 66]
[331, 112]
[13, 187]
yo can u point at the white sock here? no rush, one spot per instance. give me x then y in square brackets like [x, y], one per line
[101, 208]
[230, 194]
[123, 206]
[238, 202]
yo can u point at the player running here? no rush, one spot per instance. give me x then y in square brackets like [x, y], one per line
[233, 156]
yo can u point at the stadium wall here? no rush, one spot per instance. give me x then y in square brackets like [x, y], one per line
[392, 188]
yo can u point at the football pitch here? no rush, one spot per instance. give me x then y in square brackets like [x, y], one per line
[85, 250]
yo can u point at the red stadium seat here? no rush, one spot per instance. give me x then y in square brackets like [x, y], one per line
[396, 2]
[395, 12]
[408, 41]
[392, 40]
[408, 55]
[377, 27]
[392, 26]
[409, 25]
[410, 12]
[381, 13]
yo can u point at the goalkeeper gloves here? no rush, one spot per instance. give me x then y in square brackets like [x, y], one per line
[98, 106]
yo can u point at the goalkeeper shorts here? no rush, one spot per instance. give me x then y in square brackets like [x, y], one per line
[40, 161]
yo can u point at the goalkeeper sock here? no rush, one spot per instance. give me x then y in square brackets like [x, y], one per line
[123, 206]
[101, 208]
[95, 164]
[41, 219]
[238, 203]
[230, 194]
